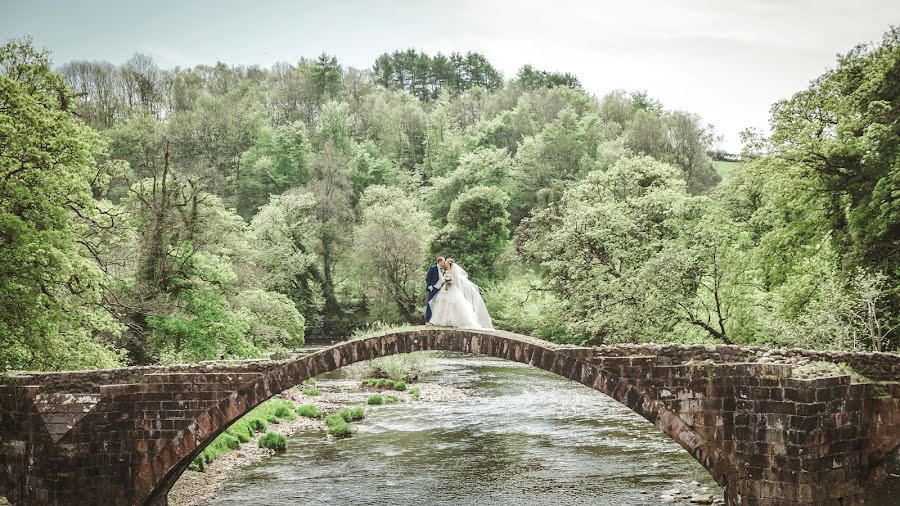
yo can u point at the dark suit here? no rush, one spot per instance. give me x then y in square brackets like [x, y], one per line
[431, 279]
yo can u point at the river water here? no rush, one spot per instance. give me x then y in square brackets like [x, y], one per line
[522, 436]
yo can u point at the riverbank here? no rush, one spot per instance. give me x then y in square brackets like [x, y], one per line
[200, 487]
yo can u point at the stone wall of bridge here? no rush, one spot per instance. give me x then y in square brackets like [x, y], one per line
[124, 436]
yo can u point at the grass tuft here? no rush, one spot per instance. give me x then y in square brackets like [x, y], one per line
[310, 411]
[273, 441]
[338, 426]
[375, 400]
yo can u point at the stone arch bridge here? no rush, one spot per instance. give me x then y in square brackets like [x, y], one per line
[124, 436]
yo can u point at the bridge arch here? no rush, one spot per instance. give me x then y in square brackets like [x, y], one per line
[158, 474]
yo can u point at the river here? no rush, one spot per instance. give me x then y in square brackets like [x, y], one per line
[522, 437]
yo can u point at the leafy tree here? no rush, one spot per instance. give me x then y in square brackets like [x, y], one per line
[595, 243]
[477, 230]
[281, 159]
[532, 78]
[273, 319]
[483, 167]
[284, 234]
[391, 244]
[50, 290]
[842, 133]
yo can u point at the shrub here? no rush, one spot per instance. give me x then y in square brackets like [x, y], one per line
[385, 383]
[352, 414]
[310, 381]
[285, 412]
[258, 424]
[312, 391]
[403, 367]
[391, 399]
[340, 430]
[309, 411]
[271, 419]
[273, 441]
[415, 392]
[374, 400]
[338, 426]
[279, 354]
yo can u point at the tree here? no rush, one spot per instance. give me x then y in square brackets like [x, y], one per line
[842, 132]
[391, 244]
[284, 232]
[689, 142]
[50, 289]
[532, 78]
[280, 159]
[490, 167]
[594, 245]
[477, 230]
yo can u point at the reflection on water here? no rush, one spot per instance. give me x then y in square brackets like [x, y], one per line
[522, 437]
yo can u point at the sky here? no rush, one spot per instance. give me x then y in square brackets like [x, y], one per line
[726, 60]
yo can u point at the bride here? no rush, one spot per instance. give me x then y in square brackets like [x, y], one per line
[459, 302]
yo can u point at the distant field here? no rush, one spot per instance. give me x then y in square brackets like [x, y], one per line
[725, 169]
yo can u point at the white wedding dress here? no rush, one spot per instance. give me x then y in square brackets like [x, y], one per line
[459, 304]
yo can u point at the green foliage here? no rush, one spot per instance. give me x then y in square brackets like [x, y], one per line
[230, 212]
[310, 411]
[386, 383]
[273, 441]
[390, 244]
[375, 400]
[50, 288]
[273, 319]
[285, 412]
[415, 392]
[312, 391]
[401, 368]
[337, 426]
[352, 414]
[532, 78]
[310, 381]
[477, 230]
[424, 76]
[258, 424]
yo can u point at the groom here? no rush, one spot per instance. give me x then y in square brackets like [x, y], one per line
[432, 280]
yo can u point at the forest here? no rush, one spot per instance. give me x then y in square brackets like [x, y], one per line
[152, 215]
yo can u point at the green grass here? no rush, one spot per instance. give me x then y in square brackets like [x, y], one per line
[338, 426]
[273, 441]
[243, 429]
[390, 384]
[310, 411]
[310, 381]
[286, 412]
[375, 400]
[312, 391]
[391, 399]
[415, 392]
[726, 169]
[352, 414]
